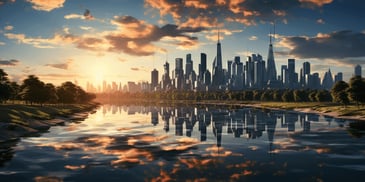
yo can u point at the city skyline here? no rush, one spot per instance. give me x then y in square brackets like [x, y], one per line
[120, 41]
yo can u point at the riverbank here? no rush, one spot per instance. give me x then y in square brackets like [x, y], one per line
[335, 110]
[19, 120]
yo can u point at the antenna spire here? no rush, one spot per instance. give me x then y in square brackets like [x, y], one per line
[218, 36]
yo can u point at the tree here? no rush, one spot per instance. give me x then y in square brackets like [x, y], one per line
[32, 90]
[356, 89]
[50, 94]
[339, 92]
[300, 96]
[288, 96]
[5, 89]
[67, 92]
[323, 96]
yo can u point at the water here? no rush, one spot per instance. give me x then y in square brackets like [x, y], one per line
[138, 143]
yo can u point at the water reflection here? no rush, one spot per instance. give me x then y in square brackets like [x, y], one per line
[246, 123]
[151, 143]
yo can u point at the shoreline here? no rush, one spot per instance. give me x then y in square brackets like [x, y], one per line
[18, 120]
[350, 112]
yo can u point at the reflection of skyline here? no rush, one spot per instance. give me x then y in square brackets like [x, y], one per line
[238, 123]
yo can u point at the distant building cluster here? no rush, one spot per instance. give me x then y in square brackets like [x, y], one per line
[254, 73]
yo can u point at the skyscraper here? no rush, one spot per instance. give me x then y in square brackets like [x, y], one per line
[188, 66]
[202, 65]
[305, 74]
[358, 70]
[154, 79]
[292, 75]
[217, 67]
[271, 67]
[166, 81]
[179, 74]
[327, 82]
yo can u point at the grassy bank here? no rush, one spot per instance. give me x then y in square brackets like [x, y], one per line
[18, 120]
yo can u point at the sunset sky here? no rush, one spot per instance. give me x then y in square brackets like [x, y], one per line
[123, 40]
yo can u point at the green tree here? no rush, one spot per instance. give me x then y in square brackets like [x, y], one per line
[357, 89]
[5, 89]
[339, 92]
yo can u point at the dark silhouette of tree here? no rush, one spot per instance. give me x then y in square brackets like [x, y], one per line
[357, 89]
[287, 96]
[49, 92]
[32, 90]
[312, 95]
[323, 96]
[300, 95]
[339, 93]
[67, 92]
[5, 89]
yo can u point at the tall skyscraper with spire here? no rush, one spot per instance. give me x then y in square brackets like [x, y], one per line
[217, 66]
[271, 68]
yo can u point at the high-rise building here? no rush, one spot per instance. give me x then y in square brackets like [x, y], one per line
[305, 74]
[218, 75]
[202, 65]
[166, 81]
[292, 75]
[154, 79]
[327, 81]
[188, 66]
[358, 70]
[229, 65]
[179, 74]
[259, 71]
[271, 67]
[339, 77]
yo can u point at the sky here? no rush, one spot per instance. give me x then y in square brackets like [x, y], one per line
[124, 40]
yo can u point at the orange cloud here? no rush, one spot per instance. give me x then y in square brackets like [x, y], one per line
[315, 3]
[196, 4]
[46, 5]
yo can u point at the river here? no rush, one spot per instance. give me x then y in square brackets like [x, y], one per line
[151, 143]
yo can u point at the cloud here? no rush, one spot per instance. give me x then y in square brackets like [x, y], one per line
[86, 16]
[12, 62]
[252, 38]
[46, 5]
[136, 37]
[6, 1]
[135, 69]
[315, 3]
[130, 36]
[8, 28]
[247, 12]
[338, 45]
[2, 43]
[63, 66]
[320, 21]
[56, 40]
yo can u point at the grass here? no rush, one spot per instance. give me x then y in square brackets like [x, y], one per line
[21, 113]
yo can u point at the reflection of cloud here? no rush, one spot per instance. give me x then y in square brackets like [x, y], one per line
[44, 5]
[48, 179]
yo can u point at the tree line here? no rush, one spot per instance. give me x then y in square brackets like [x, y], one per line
[34, 91]
[342, 92]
